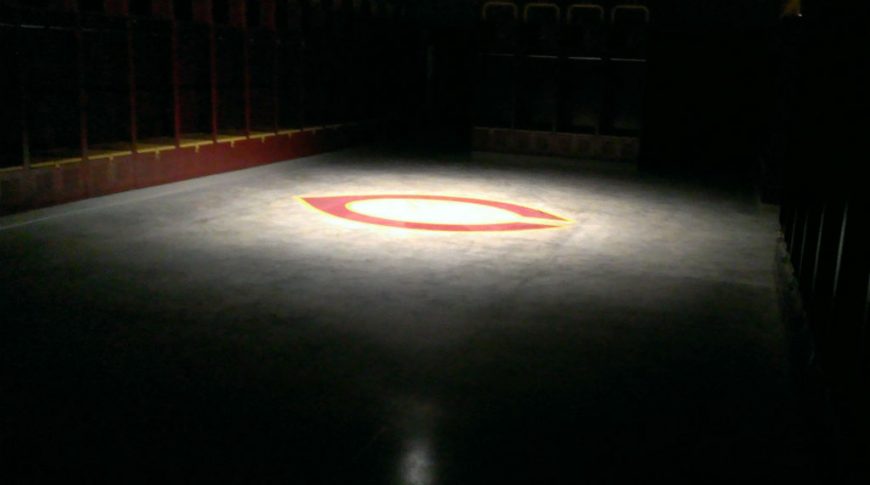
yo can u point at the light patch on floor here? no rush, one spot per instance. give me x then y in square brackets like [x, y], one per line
[435, 212]
[647, 328]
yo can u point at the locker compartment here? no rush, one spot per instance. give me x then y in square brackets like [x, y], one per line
[499, 29]
[53, 115]
[584, 88]
[152, 67]
[495, 92]
[261, 50]
[289, 89]
[627, 97]
[584, 32]
[230, 70]
[10, 90]
[628, 32]
[194, 72]
[106, 83]
[538, 94]
[541, 29]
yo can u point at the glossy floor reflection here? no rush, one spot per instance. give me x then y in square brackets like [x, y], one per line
[218, 329]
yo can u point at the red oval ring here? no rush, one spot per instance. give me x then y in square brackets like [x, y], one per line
[337, 206]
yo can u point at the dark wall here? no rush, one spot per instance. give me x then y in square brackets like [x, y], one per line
[825, 212]
[102, 76]
[705, 107]
[714, 15]
[710, 76]
[708, 83]
[10, 121]
[830, 112]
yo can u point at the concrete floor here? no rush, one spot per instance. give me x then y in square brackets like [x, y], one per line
[219, 329]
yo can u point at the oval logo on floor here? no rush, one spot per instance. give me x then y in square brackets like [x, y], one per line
[436, 213]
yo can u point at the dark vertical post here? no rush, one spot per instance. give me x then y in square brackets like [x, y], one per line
[865, 333]
[867, 316]
[275, 109]
[214, 79]
[25, 133]
[117, 7]
[23, 94]
[605, 119]
[801, 257]
[269, 12]
[176, 83]
[162, 8]
[131, 80]
[516, 70]
[794, 228]
[168, 9]
[202, 11]
[819, 239]
[302, 51]
[83, 95]
[839, 262]
[246, 60]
